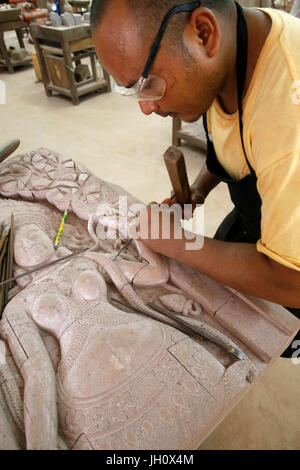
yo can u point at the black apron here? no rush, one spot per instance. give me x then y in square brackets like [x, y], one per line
[243, 223]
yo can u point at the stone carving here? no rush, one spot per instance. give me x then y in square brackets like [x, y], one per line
[180, 304]
[76, 371]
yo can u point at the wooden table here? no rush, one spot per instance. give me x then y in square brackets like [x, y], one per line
[9, 21]
[67, 46]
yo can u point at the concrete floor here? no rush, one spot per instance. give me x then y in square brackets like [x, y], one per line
[110, 135]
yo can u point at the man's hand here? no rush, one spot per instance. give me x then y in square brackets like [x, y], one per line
[160, 230]
[197, 197]
[158, 225]
[200, 189]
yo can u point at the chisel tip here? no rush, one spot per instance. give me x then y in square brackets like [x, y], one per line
[237, 353]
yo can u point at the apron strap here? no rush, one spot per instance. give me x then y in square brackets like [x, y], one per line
[241, 60]
[241, 66]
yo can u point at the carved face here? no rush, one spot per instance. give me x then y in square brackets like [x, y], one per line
[32, 246]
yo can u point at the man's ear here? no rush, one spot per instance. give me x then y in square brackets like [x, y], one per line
[203, 29]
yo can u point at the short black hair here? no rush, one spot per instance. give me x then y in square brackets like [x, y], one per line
[150, 13]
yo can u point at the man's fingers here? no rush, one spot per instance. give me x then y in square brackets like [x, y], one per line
[169, 201]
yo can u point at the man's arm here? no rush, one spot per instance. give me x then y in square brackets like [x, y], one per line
[237, 265]
[203, 185]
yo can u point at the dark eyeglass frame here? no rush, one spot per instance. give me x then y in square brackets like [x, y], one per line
[156, 44]
[150, 87]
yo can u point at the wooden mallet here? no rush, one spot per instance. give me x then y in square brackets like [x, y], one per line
[175, 164]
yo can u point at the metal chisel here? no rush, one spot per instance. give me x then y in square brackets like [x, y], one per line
[196, 330]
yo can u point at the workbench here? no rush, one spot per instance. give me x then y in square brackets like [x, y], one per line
[9, 21]
[58, 49]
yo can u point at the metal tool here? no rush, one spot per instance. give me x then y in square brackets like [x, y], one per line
[6, 261]
[43, 266]
[183, 326]
[175, 164]
[153, 316]
[123, 248]
[198, 331]
[8, 148]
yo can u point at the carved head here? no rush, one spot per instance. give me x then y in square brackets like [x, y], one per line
[32, 246]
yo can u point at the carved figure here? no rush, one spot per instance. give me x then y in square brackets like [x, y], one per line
[78, 371]
[104, 351]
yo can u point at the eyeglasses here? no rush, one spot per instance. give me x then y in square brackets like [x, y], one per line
[150, 87]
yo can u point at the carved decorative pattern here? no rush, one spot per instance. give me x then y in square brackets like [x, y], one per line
[117, 380]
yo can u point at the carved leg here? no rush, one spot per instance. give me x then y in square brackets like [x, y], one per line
[8, 439]
[34, 363]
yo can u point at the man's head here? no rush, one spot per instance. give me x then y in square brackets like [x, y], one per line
[193, 58]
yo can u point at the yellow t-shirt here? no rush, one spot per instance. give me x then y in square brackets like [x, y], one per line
[271, 119]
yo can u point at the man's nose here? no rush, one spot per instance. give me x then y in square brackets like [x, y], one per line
[148, 107]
